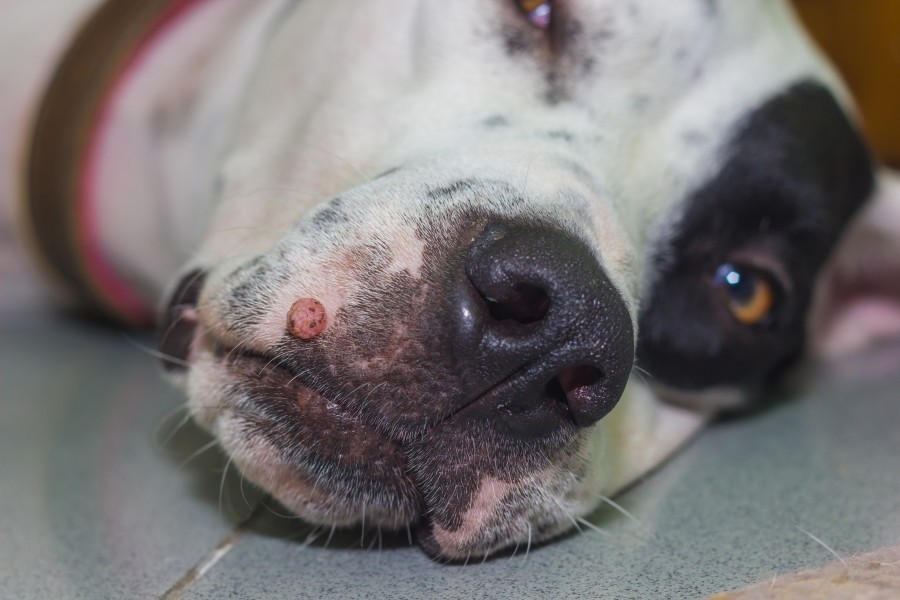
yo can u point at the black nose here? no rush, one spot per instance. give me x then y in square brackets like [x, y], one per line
[551, 337]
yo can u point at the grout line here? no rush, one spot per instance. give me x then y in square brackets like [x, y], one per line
[209, 561]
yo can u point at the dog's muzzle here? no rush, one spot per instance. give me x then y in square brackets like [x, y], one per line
[488, 363]
[536, 331]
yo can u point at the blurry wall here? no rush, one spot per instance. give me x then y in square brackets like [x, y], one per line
[863, 39]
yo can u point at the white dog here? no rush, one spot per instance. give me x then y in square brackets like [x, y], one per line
[424, 248]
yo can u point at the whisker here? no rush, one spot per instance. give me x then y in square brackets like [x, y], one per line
[330, 534]
[562, 509]
[222, 483]
[362, 536]
[154, 352]
[516, 549]
[280, 515]
[642, 371]
[198, 452]
[527, 174]
[312, 536]
[343, 160]
[241, 488]
[528, 547]
[592, 527]
[165, 419]
[619, 508]
[824, 545]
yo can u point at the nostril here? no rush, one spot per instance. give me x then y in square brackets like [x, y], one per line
[544, 328]
[585, 394]
[525, 304]
[578, 381]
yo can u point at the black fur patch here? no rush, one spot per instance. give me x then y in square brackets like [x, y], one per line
[797, 171]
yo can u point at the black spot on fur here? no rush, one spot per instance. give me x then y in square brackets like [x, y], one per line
[555, 92]
[562, 135]
[797, 173]
[331, 214]
[583, 174]
[517, 41]
[452, 189]
[496, 122]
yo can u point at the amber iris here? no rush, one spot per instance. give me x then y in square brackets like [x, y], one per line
[749, 293]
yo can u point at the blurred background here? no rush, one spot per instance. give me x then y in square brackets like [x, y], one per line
[863, 39]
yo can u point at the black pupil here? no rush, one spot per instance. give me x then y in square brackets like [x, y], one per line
[741, 284]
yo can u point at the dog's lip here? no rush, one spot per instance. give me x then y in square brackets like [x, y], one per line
[484, 403]
[266, 362]
[297, 380]
[498, 402]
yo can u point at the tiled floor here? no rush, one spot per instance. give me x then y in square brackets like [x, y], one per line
[103, 496]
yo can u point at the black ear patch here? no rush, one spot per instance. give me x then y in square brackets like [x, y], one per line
[797, 172]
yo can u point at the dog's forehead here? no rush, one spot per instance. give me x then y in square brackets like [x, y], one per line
[648, 89]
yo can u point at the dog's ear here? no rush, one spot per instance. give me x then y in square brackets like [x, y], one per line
[857, 298]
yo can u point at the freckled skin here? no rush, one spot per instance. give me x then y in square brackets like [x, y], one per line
[307, 319]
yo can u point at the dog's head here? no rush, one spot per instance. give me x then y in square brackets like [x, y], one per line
[453, 235]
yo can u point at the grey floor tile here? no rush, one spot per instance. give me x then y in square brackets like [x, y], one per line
[91, 505]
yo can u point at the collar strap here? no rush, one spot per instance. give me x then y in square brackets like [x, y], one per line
[57, 204]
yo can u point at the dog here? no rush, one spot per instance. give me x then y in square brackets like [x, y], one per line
[469, 267]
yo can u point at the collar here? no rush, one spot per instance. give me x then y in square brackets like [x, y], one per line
[57, 200]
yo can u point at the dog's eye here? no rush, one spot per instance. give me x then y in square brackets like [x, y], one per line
[538, 12]
[750, 294]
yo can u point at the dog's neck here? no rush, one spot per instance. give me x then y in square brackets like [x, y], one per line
[162, 132]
